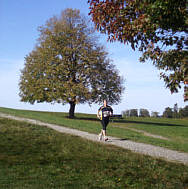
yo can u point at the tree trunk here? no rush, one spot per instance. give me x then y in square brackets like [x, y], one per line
[71, 110]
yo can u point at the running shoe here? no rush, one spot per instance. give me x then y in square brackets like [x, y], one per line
[105, 138]
[100, 136]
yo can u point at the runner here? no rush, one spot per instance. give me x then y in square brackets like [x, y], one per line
[104, 114]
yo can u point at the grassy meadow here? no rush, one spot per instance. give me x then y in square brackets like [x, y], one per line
[176, 130]
[34, 157]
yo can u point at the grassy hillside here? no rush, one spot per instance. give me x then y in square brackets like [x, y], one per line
[176, 130]
[34, 157]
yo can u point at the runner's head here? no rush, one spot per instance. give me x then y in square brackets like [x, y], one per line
[105, 102]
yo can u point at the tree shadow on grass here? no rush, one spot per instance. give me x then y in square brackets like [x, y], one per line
[86, 118]
[116, 139]
[129, 121]
[149, 123]
[120, 139]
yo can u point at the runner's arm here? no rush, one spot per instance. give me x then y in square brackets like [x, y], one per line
[98, 113]
[111, 112]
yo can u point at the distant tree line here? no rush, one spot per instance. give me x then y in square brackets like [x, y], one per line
[174, 112]
[137, 113]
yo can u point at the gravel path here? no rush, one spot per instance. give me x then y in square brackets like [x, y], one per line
[147, 149]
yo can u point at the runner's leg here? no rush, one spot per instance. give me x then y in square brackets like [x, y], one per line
[104, 123]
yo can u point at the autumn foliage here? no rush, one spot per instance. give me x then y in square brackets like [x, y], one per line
[156, 28]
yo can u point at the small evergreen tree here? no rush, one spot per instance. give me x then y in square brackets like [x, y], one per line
[183, 112]
[154, 114]
[175, 111]
[144, 113]
[126, 113]
[133, 113]
[168, 113]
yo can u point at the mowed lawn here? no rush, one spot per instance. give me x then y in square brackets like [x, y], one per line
[176, 130]
[35, 157]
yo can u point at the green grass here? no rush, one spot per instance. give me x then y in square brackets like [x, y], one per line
[34, 157]
[174, 129]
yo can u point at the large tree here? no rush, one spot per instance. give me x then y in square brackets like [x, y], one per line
[157, 28]
[68, 65]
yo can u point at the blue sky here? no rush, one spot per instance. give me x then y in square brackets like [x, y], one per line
[19, 21]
